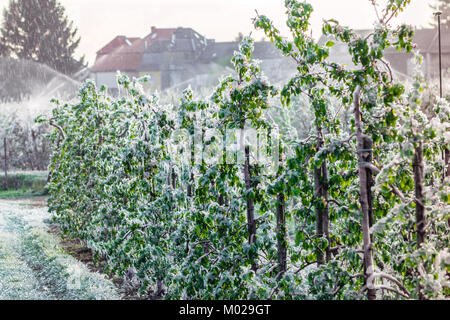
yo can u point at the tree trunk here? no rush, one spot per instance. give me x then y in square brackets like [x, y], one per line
[367, 154]
[42, 158]
[447, 162]
[419, 201]
[447, 174]
[221, 200]
[6, 162]
[35, 149]
[326, 218]
[222, 196]
[248, 185]
[250, 203]
[190, 187]
[364, 198]
[281, 234]
[319, 211]
[281, 228]
[174, 179]
[321, 203]
[418, 186]
[159, 288]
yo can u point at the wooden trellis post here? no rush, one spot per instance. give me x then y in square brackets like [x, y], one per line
[6, 162]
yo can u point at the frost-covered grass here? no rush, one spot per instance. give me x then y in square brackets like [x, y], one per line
[24, 184]
[34, 267]
[18, 180]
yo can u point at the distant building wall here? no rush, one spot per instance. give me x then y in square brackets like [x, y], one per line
[109, 79]
[399, 61]
[106, 79]
[427, 43]
[155, 81]
[431, 62]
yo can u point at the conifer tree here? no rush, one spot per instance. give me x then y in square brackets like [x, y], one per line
[39, 30]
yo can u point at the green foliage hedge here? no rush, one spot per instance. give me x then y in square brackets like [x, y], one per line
[18, 181]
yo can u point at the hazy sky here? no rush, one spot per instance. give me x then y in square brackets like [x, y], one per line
[99, 21]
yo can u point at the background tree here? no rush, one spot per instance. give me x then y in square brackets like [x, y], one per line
[39, 30]
[444, 7]
[239, 37]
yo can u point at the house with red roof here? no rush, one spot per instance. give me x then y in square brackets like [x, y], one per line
[172, 57]
[163, 54]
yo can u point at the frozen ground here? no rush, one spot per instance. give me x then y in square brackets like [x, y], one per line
[33, 265]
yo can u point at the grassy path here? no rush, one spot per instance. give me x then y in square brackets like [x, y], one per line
[33, 265]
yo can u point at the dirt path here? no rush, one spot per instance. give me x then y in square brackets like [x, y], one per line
[32, 264]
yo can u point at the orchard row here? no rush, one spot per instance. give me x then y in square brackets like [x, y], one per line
[356, 206]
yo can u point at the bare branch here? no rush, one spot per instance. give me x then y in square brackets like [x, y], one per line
[376, 9]
[335, 202]
[61, 131]
[391, 289]
[388, 67]
[391, 278]
[304, 266]
[374, 169]
[398, 193]
[204, 256]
